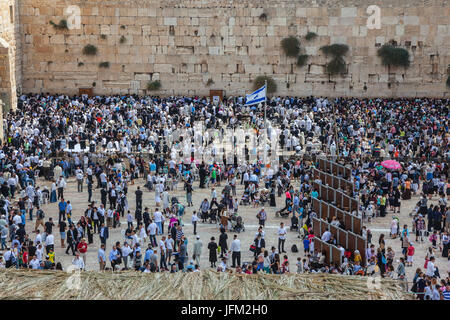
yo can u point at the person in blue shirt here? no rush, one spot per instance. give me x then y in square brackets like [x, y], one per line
[114, 256]
[148, 253]
[306, 244]
[62, 209]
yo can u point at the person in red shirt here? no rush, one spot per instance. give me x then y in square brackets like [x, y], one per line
[411, 250]
[82, 249]
[25, 257]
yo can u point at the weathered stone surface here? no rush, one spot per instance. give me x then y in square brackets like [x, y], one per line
[182, 43]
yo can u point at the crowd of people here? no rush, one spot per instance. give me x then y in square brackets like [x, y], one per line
[107, 144]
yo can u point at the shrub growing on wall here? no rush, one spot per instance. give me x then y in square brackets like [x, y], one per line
[302, 59]
[310, 36]
[122, 39]
[90, 50]
[154, 85]
[392, 56]
[291, 46]
[104, 64]
[260, 81]
[335, 50]
[337, 64]
[62, 25]
[448, 81]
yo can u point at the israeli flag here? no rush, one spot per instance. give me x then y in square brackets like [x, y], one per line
[256, 97]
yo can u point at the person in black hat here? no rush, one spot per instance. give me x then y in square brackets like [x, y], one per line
[212, 247]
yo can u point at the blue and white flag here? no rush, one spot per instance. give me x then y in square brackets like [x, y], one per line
[256, 97]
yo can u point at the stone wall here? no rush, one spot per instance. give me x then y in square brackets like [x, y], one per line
[185, 43]
[10, 53]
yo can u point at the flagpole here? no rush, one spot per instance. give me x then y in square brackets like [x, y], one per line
[265, 125]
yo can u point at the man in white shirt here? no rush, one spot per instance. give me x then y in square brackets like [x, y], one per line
[152, 229]
[158, 217]
[49, 243]
[169, 246]
[281, 237]
[78, 262]
[38, 238]
[235, 252]
[126, 250]
[35, 263]
[17, 219]
[79, 174]
[326, 236]
[431, 269]
[162, 249]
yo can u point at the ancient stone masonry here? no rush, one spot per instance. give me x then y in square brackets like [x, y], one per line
[185, 43]
[10, 53]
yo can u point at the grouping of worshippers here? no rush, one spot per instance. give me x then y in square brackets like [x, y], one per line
[110, 144]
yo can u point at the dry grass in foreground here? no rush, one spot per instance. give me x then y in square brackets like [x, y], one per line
[206, 285]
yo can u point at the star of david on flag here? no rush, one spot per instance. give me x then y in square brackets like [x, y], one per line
[256, 97]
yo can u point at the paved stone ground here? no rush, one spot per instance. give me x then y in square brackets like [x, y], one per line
[79, 202]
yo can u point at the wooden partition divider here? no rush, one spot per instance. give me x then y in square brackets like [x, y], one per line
[327, 248]
[342, 238]
[348, 221]
[324, 208]
[357, 225]
[318, 244]
[316, 205]
[317, 228]
[339, 199]
[331, 211]
[336, 255]
[336, 183]
[331, 195]
[324, 192]
[351, 241]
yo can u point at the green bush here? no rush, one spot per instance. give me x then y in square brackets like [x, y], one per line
[263, 17]
[335, 50]
[310, 36]
[103, 36]
[260, 81]
[392, 56]
[80, 64]
[90, 50]
[336, 66]
[302, 59]
[104, 64]
[209, 82]
[62, 25]
[122, 39]
[154, 85]
[291, 46]
[448, 81]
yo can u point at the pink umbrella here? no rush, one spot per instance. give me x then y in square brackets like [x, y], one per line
[391, 164]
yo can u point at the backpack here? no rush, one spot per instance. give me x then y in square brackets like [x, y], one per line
[40, 214]
[294, 248]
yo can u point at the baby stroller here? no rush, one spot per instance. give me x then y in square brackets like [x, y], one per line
[294, 223]
[213, 215]
[237, 224]
[245, 200]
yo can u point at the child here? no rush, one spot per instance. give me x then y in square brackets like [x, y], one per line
[411, 249]
[433, 238]
[306, 264]
[299, 265]
[306, 244]
[51, 256]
